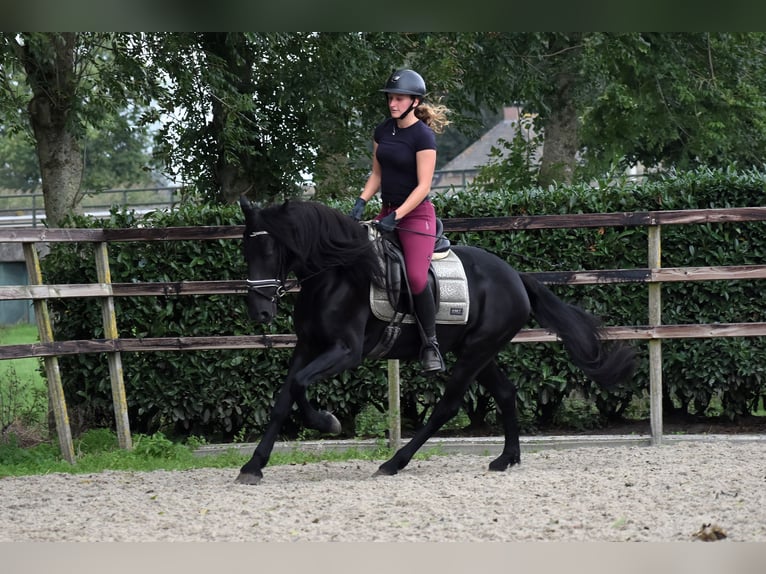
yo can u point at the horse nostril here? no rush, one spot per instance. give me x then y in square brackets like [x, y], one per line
[261, 317]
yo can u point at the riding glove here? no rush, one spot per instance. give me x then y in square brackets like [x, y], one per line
[358, 210]
[388, 223]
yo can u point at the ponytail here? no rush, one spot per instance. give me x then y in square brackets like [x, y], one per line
[433, 115]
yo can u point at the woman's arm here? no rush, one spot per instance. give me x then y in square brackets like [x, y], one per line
[372, 185]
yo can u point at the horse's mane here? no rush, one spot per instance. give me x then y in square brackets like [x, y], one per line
[319, 237]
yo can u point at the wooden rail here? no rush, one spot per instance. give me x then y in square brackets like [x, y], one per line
[113, 345]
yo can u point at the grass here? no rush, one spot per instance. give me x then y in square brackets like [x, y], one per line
[23, 404]
[27, 370]
[23, 391]
[23, 407]
[97, 450]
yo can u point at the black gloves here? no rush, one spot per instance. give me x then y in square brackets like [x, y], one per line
[388, 223]
[358, 210]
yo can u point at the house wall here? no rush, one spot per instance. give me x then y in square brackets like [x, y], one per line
[13, 271]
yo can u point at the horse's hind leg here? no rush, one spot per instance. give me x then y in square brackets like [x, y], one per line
[446, 408]
[504, 393]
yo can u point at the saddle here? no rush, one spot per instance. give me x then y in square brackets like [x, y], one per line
[393, 301]
[395, 270]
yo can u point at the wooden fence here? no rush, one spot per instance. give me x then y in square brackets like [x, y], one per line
[113, 345]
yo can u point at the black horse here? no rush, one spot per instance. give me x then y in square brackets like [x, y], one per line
[334, 262]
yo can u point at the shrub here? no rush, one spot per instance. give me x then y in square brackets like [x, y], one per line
[224, 394]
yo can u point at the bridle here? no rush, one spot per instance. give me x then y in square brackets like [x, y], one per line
[280, 288]
[258, 285]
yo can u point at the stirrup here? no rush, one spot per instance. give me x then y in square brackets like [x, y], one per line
[430, 358]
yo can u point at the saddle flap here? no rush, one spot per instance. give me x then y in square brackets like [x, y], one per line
[393, 262]
[446, 277]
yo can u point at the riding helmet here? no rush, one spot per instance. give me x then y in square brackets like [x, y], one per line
[405, 82]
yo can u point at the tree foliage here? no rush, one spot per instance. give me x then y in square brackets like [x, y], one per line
[254, 112]
[681, 100]
[259, 109]
[73, 82]
[610, 100]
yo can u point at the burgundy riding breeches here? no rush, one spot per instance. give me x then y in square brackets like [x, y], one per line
[416, 233]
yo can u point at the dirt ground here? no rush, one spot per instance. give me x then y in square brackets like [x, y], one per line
[683, 491]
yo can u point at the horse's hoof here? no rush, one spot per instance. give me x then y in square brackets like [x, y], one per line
[248, 478]
[384, 471]
[503, 462]
[334, 426]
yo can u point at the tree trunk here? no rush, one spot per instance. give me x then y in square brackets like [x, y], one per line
[561, 139]
[61, 163]
[50, 60]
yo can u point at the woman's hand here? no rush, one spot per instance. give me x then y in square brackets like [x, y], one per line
[358, 210]
[388, 223]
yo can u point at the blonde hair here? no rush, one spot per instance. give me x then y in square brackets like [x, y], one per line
[433, 115]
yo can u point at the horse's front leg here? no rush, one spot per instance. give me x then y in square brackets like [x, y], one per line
[323, 421]
[337, 358]
[251, 473]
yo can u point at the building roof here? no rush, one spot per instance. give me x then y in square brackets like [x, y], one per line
[478, 153]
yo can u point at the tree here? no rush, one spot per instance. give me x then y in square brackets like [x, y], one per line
[73, 81]
[606, 100]
[539, 71]
[49, 61]
[236, 111]
[259, 109]
[253, 111]
[681, 100]
[115, 155]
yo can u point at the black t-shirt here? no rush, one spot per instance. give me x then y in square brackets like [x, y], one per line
[396, 154]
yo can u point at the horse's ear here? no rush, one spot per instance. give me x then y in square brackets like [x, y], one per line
[247, 207]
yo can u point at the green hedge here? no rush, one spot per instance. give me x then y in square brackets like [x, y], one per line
[216, 394]
[694, 370]
[226, 394]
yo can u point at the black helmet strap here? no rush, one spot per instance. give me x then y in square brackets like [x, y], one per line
[409, 109]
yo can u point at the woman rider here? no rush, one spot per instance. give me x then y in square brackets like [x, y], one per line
[403, 164]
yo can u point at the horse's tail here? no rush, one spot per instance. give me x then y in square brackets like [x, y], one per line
[579, 332]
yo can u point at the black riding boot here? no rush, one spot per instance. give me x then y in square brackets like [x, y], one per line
[425, 310]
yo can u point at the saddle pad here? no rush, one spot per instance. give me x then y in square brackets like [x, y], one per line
[453, 294]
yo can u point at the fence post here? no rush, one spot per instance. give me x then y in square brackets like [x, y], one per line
[655, 345]
[114, 358]
[394, 408]
[45, 331]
